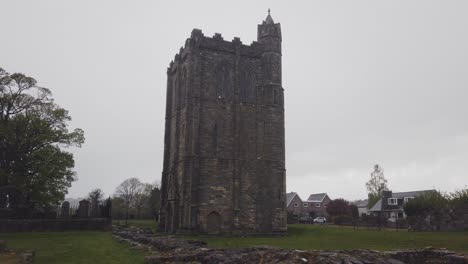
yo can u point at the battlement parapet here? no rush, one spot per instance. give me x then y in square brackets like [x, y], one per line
[199, 41]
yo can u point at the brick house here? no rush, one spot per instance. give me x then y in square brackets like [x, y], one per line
[314, 206]
[294, 204]
[317, 204]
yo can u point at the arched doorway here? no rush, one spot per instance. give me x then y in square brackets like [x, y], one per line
[213, 223]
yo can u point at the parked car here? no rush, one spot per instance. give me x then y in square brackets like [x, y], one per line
[305, 220]
[320, 220]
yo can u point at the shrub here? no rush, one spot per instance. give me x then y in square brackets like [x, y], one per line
[342, 212]
[426, 211]
[459, 199]
[343, 220]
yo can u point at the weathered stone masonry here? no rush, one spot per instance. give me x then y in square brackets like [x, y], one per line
[224, 146]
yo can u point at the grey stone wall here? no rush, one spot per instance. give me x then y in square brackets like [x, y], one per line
[224, 155]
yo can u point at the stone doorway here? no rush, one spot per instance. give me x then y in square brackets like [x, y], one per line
[213, 223]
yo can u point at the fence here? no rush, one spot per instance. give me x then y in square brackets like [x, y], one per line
[85, 216]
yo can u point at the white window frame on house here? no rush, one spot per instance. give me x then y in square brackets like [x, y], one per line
[317, 205]
[407, 199]
[392, 201]
[305, 205]
[296, 205]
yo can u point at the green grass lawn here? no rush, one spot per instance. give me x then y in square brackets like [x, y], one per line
[99, 247]
[73, 247]
[146, 223]
[332, 237]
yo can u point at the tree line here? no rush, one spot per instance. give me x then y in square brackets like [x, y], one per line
[432, 210]
[132, 199]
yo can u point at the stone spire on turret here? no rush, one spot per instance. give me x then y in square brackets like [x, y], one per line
[269, 32]
[269, 19]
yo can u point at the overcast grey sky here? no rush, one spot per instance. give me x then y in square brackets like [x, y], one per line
[365, 82]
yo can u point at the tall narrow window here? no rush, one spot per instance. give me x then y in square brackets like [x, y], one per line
[184, 87]
[224, 81]
[215, 139]
[182, 134]
[175, 93]
[247, 86]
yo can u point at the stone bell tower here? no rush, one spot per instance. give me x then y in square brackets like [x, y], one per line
[224, 146]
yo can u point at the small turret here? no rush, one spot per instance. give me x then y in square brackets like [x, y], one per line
[269, 34]
[269, 37]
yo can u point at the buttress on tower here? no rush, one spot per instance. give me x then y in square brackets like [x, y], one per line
[224, 144]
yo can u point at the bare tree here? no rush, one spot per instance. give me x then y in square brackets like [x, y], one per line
[376, 185]
[128, 190]
[142, 195]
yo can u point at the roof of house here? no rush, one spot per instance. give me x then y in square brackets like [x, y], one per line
[410, 194]
[378, 205]
[317, 197]
[362, 203]
[290, 196]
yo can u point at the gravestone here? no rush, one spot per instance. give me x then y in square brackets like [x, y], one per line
[83, 209]
[65, 210]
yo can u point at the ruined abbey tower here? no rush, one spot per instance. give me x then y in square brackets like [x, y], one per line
[224, 151]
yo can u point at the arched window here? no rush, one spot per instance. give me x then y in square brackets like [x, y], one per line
[215, 139]
[224, 81]
[247, 86]
[175, 92]
[182, 141]
[184, 88]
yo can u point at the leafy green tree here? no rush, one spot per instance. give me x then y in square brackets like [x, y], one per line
[425, 211]
[459, 199]
[33, 130]
[376, 185]
[341, 211]
[338, 207]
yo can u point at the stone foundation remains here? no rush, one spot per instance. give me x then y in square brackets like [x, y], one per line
[169, 249]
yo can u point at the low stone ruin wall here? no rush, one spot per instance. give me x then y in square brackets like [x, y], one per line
[12, 256]
[30, 225]
[169, 249]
